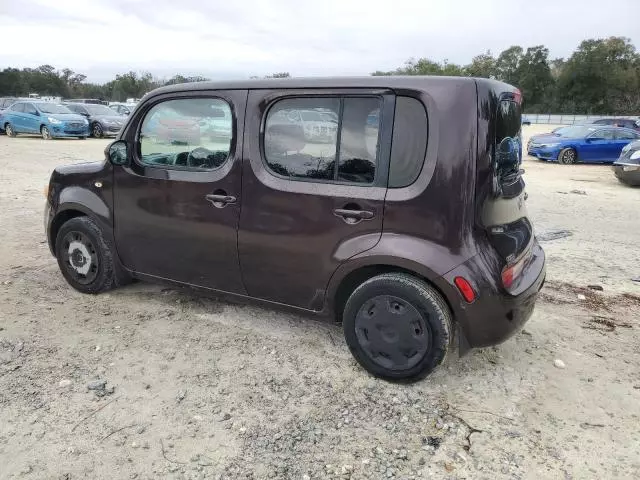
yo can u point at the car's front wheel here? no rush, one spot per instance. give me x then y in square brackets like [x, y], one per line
[397, 326]
[567, 156]
[46, 134]
[97, 131]
[84, 258]
[9, 130]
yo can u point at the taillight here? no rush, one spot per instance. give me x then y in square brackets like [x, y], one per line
[465, 289]
[511, 272]
[517, 96]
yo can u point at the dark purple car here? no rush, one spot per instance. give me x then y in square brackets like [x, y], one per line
[407, 223]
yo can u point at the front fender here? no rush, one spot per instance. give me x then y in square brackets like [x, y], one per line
[87, 202]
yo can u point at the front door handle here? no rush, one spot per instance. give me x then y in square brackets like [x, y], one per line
[353, 216]
[220, 200]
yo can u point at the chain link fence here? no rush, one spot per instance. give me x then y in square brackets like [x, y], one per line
[562, 119]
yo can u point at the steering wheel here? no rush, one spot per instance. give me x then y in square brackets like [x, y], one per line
[199, 158]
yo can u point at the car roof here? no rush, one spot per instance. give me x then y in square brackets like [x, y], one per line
[383, 81]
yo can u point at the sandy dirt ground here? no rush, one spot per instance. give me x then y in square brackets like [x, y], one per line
[199, 388]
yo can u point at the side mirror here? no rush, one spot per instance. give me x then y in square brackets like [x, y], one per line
[117, 153]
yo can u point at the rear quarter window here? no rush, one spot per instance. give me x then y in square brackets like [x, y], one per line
[409, 142]
[508, 125]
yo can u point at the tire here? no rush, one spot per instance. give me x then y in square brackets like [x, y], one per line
[45, 132]
[567, 156]
[79, 241]
[96, 130]
[9, 130]
[422, 317]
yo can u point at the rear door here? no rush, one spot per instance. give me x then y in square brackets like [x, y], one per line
[15, 116]
[622, 139]
[31, 118]
[599, 145]
[177, 204]
[313, 193]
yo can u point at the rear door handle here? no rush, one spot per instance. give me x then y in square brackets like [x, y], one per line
[353, 216]
[220, 201]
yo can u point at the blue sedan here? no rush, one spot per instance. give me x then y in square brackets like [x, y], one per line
[46, 119]
[582, 143]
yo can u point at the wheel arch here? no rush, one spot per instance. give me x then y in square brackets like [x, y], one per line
[77, 202]
[341, 288]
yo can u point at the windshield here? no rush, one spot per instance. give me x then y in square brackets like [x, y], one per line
[52, 108]
[576, 131]
[99, 110]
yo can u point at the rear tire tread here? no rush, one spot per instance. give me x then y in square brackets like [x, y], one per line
[439, 319]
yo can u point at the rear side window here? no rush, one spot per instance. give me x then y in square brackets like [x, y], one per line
[325, 139]
[508, 125]
[626, 135]
[409, 144]
[18, 107]
[190, 133]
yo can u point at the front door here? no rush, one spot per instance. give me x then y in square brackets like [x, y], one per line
[314, 181]
[177, 203]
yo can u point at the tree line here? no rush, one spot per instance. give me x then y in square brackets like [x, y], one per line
[602, 76]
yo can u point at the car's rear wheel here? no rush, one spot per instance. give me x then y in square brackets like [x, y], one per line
[84, 258]
[9, 130]
[397, 326]
[567, 156]
[96, 130]
[44, 131]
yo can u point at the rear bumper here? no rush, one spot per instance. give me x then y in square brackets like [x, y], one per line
[495, 315]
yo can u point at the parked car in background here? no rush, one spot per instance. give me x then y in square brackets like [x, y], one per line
[619, 122]
[5, 102]
[50, 120]
[627, 167]
[94, 101]
[122, 108]
[401, 241]
[526, 121]
[582, 143]
[103, 121]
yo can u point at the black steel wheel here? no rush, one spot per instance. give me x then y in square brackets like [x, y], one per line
[84, 258]
[397, 326]
[96, 130]
[568, 156]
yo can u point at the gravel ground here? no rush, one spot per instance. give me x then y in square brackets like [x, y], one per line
[153, 382]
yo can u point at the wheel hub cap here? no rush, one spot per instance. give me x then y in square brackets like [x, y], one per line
[79, 257]
[392, 332]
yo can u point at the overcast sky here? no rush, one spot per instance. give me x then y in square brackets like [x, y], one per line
[240, 38]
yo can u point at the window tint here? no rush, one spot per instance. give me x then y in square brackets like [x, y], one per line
[18, 107]
[626, 135]
[508, 145]
[409, 144]
[195, 133]
[305, 136]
